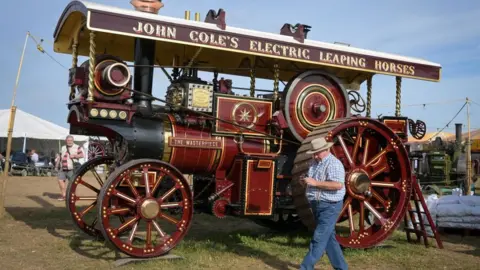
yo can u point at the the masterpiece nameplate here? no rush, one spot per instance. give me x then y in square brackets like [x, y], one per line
[167, 31]
[194, 143]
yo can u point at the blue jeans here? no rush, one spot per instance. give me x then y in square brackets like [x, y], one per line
[323, 239]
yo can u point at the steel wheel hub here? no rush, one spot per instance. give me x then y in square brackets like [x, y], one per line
[149, 208]
[359, 182]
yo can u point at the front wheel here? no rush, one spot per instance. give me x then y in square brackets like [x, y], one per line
[156, 202]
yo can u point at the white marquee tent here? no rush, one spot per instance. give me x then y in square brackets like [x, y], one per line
[30, 131]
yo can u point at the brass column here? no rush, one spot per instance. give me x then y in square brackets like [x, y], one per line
[398, 97]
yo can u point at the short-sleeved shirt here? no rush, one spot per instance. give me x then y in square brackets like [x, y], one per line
[328, 169]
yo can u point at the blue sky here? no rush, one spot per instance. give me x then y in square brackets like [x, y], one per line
[442, 31]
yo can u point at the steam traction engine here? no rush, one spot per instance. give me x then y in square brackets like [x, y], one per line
[208, 149]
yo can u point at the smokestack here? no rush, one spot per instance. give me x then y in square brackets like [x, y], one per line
[458, 133]
[144, 55]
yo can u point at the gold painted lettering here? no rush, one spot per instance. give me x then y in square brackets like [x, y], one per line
[292, 52]
[203, 37]
[148, 28]
[221, 41]
[172, 32]
[234, 42]
[139, 28]
[253, 45]
[306, 54]
[194, 36]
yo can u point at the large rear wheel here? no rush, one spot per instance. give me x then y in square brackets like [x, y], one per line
[377, 179]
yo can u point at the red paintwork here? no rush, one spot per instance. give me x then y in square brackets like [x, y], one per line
[202, 160]
[258, 113]
[259, 185]
[305, 94]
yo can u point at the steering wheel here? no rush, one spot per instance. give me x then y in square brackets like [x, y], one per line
[356, 102]
[417, 129]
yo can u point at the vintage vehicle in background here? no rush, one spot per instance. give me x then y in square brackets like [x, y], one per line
[209, 148]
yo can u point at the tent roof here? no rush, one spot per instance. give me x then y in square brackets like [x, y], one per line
[446, 136]
[33, 127]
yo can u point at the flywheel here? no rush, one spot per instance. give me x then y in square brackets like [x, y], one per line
[377, 179]
[311, 99]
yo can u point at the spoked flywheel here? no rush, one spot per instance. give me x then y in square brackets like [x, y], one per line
[377, 179]
[82, 193]
[156, 202]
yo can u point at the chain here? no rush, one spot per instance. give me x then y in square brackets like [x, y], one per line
[276, 75]
[252, 82]
[369, 96]
[398, 99]
[91, 68]
[74, 65]
[215, 81]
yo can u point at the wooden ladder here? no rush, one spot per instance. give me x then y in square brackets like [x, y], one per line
[419, 226]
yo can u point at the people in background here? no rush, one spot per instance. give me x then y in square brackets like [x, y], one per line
[69, 154]
[34, 156]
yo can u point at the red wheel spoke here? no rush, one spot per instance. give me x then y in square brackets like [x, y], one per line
[123, 196]
[377, 157]
[157, 227]
[86, 198]
[361, 221]
[132, 232]
[379, 171]
[168, 193]
[169, 218]
[384, 184]
[345, 150]
[130, 185]
[157, 182]
[375, 212]
[118, 211]
[350, 219]
[90, 207]
[345, 206]
[128, 224]
[379, 198]
[89, 186]
[145, 179]
[149, 234]
[358, 140]
[171, 205]
[365, 151]
[99, 179]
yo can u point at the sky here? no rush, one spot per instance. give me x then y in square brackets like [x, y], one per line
[441, 31]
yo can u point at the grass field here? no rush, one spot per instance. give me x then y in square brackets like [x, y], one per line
[37, 233]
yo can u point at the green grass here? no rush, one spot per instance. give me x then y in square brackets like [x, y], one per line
[38, 238]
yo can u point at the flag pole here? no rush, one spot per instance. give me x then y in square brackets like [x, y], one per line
[11, 122]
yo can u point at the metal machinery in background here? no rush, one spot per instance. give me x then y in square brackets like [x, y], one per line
[207, 148]
[444, 163]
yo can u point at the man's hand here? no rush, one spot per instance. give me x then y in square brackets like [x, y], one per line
[310, 181]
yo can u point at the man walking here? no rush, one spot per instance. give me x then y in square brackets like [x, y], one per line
[325, 192]
[69, 153]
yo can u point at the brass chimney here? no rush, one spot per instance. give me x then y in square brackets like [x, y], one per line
[149, 6]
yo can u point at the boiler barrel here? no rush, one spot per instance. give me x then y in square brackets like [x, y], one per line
[191, 149]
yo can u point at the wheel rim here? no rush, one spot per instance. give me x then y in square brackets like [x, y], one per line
[377, 180]
[95, 149]
[156, 220]
[82, 190]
